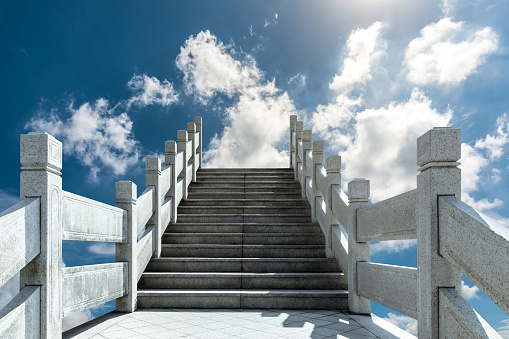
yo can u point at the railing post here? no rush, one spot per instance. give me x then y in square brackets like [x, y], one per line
[358, 195]
[41, 160]
[126, 197]
[306, 145]
[191, 132]
[182, 145]
[153, 178]
[333, 178]
[293, 120]
[199, 129]
[170, 154]
[437, 153]
[317, 160]
[299, 125]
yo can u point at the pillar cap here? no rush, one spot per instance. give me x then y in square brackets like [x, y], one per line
[40, 151]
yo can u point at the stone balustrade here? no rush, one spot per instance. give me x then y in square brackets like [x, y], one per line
[452, 237]
[34, 228]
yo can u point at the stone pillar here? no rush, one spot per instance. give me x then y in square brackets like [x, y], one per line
[306, 145]
[317, 160]
[293, 120]
[153, 178]
[182, 143]
[437, 153]
[358, 195]
[41, 160]
[299, 125]
[199, 149]
[191, 132]
[126, 196]
[170, 154]
[333, 178]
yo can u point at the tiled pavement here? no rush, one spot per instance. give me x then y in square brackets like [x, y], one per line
[211, 324]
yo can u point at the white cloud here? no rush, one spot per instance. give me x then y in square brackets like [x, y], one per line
[392, 246]
[503, 329]
[209, 68]
[496, 175]
[251, 31]
[385, 143]
[149, 91]
[266, 23]
[298, 80]
[357, 65]
[9, 290]
[7, 199]
[468, 292]
[402, 321]
[104, 248]
[76, 319]
[94, 134]
[494, 144]
[255, 123]
[447, 54]
[447, 6]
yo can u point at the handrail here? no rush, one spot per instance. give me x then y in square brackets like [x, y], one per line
[468, 241]
[34, 228]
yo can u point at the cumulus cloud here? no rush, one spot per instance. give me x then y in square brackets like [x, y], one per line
[468, 292]
[256, 122]
[94, 134]
[149, 91]
[447, 54]
[357, 65]
[402, 321]
[494, 143]
[103, 248]
[503, 328]
[392, 246]
[298, 80]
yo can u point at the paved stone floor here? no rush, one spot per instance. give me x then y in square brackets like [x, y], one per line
[259, 324]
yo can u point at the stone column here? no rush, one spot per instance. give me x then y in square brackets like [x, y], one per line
[199, 149]
[358, 195]
[299, 125]
[306, 145]
[437, 153]
[182, 143]
[170, 153]
[41, 160]
[333, 178]
[317, 160]
[191, 132]
[126, 196]
[153, 178]
[293, 120]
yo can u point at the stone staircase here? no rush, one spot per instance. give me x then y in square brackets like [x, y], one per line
[243, 239]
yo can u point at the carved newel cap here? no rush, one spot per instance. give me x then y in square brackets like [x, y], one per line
[182, 135]
[438, 146]
[153, 165]
[358, 190]
[170, 147]
[191, 127]
[40, 151]
[126, 192]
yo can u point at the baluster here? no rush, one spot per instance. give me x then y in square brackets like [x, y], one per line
[306, 145]
[170, 154]
[317, 160]
[293, 120]
[299, 125]
[199, 129]
[191, 132]
[333, 178]
[182, 145]
[153, 178]
[437, 153]
[126, 193]
[41, 160]
[358, 195]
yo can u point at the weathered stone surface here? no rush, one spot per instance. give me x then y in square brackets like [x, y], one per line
[21, 317]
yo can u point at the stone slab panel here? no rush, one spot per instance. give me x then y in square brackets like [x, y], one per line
[21, 317]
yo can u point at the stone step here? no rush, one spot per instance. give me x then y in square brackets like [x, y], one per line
[254, 265]
[236, 298]
[242, 218]
[286, 178]
[298, 210]
[236, 280]
[242, 195]
[244, 238]
[259, 189]
[227, 184]
[181, 227]
[245, 170]
[243, 251]
[301, 203]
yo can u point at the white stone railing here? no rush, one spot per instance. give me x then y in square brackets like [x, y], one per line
[452, 237]
[33, 230]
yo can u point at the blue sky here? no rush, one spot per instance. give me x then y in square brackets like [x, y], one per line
[114, 80]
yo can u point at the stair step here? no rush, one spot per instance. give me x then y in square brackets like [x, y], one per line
[258, 189]
[235, 298]
[246, 251]
[242, 218]
[244, 210]
[234, 280]
[246, 202]
[244, 238]
[254, 265]
[181, 227]
[241, 195]
[290, 178]
[246, 170]
[227, 183]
